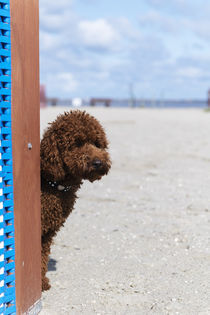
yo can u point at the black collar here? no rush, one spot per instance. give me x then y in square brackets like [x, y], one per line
[58, 186]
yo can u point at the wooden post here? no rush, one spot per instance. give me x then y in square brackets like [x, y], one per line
[25, 146]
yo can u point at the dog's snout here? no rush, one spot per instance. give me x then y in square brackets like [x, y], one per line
[97, 164]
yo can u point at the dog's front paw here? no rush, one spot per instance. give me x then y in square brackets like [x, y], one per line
[45, 284]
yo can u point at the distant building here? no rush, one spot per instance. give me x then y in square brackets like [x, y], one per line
[209, 98]
[43, 97]
[104, 101]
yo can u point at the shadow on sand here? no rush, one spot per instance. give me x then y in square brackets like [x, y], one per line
[52, 264]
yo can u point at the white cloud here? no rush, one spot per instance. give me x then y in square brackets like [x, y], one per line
[49, 41]
[189, 72]
[126, 29]
[65, 82]
[155, 19]
[50, 6]
[201, 28]
[180, 5]
[98, 33]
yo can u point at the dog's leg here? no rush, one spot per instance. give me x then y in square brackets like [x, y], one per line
[52, 219]
[46, 242]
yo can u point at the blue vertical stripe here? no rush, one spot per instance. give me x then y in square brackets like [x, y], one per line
[7, 291]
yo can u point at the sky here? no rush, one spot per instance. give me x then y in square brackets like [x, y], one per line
[100, 48]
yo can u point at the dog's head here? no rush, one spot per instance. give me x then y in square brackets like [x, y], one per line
[75, 145]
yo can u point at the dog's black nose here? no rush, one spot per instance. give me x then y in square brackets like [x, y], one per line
[97, 164]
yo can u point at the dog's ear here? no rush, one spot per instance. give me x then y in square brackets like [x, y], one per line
[51, 161]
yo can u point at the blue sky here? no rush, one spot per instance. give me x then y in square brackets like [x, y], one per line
[98, 48]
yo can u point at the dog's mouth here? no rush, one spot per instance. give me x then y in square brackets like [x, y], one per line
[96, 174]
[92, 179]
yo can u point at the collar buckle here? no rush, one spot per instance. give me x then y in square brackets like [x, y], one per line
[59, 186]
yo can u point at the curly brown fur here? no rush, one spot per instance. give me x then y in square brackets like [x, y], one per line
[73, 148]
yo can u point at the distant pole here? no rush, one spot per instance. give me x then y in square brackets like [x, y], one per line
[131, 92]
[209, 98]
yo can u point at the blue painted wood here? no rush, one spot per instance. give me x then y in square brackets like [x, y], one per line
[7, 278]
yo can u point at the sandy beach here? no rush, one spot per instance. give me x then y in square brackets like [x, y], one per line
[138, 241]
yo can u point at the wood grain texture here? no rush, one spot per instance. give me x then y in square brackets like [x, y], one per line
[26, 163]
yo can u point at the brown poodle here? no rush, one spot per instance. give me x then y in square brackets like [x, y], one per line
[73, 148]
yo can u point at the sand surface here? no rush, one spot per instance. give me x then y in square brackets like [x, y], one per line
[138, 241]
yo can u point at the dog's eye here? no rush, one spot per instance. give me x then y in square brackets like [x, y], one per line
[97, 144]
[78, 143]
